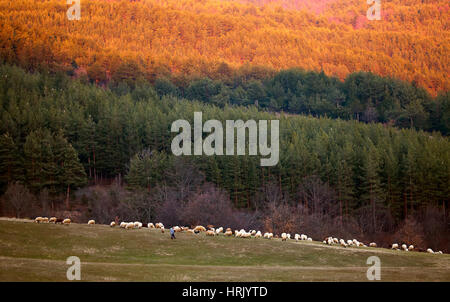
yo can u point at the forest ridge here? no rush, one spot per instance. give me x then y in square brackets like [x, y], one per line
[193, 38]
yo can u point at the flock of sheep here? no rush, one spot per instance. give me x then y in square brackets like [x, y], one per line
[211, 231]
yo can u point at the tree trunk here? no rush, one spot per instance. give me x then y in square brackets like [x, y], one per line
[67, 197]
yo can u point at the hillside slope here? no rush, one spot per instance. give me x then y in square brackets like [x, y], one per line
[191, 37]
[32, 252]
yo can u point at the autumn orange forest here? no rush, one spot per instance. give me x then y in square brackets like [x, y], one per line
[134, 137]
[410, 42]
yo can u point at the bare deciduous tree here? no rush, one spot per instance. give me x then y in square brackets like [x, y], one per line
[19, 198]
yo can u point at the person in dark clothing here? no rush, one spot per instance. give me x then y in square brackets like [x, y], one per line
[172, 234]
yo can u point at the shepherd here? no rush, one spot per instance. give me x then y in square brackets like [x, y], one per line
[172, 233]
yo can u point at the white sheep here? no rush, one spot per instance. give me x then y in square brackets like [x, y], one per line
[52, 220]
[129, 226]
[246, 235]
[430, 251]
[219, 230]
[335, 240]
[38, 219]
[228, 233]
[253, 232]
[440, 252]
[150, 225]
[288, 236]
[112, 224]
[200, 228]
[270, 236]
[210, 233]
[67, 221]
[91, 222]
[395, 246]
[349, 242]
[123, 224]
[258, 234]
[373, 244]
[296, 237]
[303, 237]
[162, 229]
[309, 239]
[411, 247]
[283, 237]
[404, 247]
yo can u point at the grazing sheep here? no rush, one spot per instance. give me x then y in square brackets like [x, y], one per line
[52, 220]
[288, 236]
[137, 225]
[123, 224]
[45, 219]
[228, 233]
[349, 242]
[200, 228]
[210, 226]
[159, 225]
[253, 232]
[395, 246]
[373, 244]
[219, 230]
[228, 229]
[129, 225]
[343, 244]
[440, 252]
[91, 222]
[112, 224]
[296, 237]
[150, 225]
[246, 235]
[210, 233]
[404, 247]
[411, 247]
[258, 234]
[162, 229]
[283, 237]
[303, 237]
[177, 229]
[270, 236]
[191, 231]
[309, 239]
[38, 219]
[430, 251]
[66, 221]
[335, 240]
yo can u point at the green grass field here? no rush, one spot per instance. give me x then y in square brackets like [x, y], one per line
[38, 252]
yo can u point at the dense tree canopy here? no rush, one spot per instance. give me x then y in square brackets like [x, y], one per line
[50, 119]
[124, 40]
